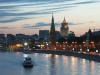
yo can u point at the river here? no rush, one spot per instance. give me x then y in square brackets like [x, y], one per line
[47, 64]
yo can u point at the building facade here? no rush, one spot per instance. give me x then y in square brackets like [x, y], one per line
[64, 28]
[44, 34]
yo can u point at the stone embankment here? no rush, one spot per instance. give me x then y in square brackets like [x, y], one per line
[81, 55]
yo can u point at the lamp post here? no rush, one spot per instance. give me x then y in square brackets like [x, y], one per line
[47, 46]
[87, 42]
[83, 46]
[88, 50]
[97, 52]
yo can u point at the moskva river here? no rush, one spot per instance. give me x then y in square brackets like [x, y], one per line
[47, 64]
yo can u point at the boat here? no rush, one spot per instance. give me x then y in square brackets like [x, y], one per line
[28, 63]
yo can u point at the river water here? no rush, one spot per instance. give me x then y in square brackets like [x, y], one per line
[47, 64]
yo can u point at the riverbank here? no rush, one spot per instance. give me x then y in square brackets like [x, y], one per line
[81, 55]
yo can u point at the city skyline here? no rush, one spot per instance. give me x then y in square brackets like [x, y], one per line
[30, 16]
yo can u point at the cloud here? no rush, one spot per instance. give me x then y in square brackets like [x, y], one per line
[91, 22]
[38, 25]
[41, 24]
[5, 27]
[25, 8]
[14, 9]
[86, 2]
[13, 20]
[8, 1]
[11, 12]
[71, 23]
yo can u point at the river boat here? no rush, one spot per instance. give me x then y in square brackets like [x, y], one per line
[28, 63]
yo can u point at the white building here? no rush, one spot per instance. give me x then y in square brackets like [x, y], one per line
[64, 28]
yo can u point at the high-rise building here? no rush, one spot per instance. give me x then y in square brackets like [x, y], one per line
[52, 35]
[64, 28]
[44, 34]
[10, 36]
[2, 36]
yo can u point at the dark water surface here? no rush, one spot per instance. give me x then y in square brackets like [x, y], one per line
[47, 64]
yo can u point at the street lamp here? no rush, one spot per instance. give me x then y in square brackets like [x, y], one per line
[25, 43]
[47, 46]
[73, 49]
[88, 50]
[96, 50]
[80, 50]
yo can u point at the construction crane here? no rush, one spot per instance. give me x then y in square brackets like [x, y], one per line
[95, 29]
[90, 29]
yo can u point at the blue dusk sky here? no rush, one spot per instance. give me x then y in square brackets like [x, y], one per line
[30, 16]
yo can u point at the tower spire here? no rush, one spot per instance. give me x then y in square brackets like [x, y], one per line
[64, 21]
[52, 24]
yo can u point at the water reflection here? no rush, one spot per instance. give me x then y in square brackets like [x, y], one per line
[17, 53]
[52, 64]
[47, 64]
[65, 62]
[27, 71]
[35, 54]
[92, 69]
[74, 66]
[84, 66]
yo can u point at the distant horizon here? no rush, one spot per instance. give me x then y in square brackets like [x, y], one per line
[30, 16]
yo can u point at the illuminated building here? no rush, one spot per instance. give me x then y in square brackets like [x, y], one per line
[64, 28]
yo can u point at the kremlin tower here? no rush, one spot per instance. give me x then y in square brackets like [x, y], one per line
[52, 35]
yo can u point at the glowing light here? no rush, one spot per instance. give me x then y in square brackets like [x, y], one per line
[35, 54]
[42, 45]
[47, 44]
[17, 53]
[25, 55]
[73, 48]
[96, 50]
[80, 49]
[63, 48]
[18, 45]
[25, 43]
[88, 50]
[56, 56]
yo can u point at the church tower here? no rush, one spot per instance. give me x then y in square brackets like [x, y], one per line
[52, 35]
[64, 28]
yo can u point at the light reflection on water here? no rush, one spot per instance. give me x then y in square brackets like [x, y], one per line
[47, 64]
